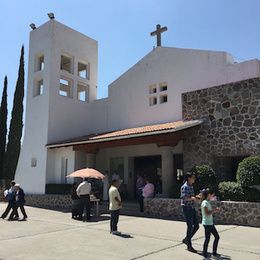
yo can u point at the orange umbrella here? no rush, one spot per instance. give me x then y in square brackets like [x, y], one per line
[87, 173]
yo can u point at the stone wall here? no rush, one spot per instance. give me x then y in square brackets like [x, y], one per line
[51, 201]
[232, 213]
[231, 115]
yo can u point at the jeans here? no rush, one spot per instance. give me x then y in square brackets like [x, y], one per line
[114, 220]
[192, 223]
[85, 204]
[208, 231]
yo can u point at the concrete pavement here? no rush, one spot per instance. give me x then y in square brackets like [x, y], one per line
[54, 235]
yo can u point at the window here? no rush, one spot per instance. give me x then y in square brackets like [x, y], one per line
[163, 87]
[153, 101]
[38, 88]
[83, 70]
[152, 89]
[65, 88]
[82, 92]
[163, 99]
[33, 162]
[39, 63]
[66, 64]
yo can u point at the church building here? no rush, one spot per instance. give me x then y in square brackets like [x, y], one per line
[174, 109]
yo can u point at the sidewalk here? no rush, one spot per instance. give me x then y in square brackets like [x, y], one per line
[54, 235]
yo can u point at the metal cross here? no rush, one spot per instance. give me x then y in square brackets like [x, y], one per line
[158, 32]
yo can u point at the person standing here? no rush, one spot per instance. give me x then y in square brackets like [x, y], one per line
[115, 204]
[140, 183]
[147, 192]
[188, 200]
[10, 196]
[207, 222]
[83, 191]
[76, 209]
[19, 202]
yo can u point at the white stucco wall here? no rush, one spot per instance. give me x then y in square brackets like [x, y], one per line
[183, 69]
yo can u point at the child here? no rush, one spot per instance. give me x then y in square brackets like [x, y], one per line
[114, 205]
[207, 222]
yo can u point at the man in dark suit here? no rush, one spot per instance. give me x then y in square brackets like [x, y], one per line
[11, 201]
[19, 202]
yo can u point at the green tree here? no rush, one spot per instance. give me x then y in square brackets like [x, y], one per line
[16, 125]
[3, 127]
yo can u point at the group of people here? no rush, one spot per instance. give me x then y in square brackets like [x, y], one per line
[145, 189]
[80, 195]
[16, 199]
[188, 200]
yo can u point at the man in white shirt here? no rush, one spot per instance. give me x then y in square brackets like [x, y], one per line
[115, 204]
[83, 191]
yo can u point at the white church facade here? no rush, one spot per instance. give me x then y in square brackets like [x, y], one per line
[141, 126]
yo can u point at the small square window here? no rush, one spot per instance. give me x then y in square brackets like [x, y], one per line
[66, 64]
[38, 88]
[82, 92]
[153, 101]
[65, 88]
[83, 70]
[33, 162]
[163, 99]
[163, 87]
[152, 89]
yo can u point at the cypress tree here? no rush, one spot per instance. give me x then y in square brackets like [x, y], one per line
[16, 125]
[3, 127]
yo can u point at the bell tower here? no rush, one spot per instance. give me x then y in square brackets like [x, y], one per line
[62, 84]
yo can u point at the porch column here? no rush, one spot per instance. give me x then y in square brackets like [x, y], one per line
[91, 160]
[167, 170]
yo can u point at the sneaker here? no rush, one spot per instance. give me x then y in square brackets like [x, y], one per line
[192, 250]
[116, 233]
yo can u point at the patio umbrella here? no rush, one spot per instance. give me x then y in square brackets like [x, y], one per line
[87, 173]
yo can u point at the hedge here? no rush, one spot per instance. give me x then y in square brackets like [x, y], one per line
[248, 172]
[230, 190]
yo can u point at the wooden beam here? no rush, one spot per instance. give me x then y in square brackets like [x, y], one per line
[169, 139]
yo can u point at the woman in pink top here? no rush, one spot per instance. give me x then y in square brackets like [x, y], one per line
[148, 190]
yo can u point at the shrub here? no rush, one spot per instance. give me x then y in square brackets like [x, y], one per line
[248, 172]
[205, 178]
[231, 191]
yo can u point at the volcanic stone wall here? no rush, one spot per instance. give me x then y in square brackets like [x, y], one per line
[231, 127]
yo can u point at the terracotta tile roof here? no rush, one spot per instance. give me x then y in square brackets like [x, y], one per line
[129, 133]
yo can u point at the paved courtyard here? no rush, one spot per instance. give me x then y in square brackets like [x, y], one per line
[54, 235]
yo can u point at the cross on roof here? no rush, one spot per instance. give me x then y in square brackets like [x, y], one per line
[158, 32]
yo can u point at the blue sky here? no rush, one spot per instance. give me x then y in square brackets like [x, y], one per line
[122, 29]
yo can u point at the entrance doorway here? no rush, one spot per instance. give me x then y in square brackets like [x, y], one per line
[149, 167]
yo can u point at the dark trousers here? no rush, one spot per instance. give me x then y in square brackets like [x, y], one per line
[192, 223]
[140, 199]
[10, 206]
[85, 204]
[114, 220]
[208, 231]
[15, 210]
